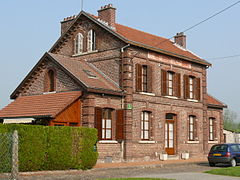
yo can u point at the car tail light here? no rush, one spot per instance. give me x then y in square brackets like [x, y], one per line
[209, 154]
[228, 154]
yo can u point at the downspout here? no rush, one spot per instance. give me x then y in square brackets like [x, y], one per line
[123, 145]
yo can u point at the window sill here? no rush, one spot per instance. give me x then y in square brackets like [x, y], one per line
[84, 53]
[146, 142]
[107, 142]
[192, 100]
[146, 93]
[212, 142]
[171, 97]
[192, 142]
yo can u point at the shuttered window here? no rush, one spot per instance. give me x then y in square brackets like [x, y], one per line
[171, 83]
[50, 82]
[192, 87]
[143, 78]
[192, 128]
[145, 125]
[105, 121]
[78, 45]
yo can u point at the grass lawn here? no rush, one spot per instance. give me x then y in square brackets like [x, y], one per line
[231, 171]
[136, 179]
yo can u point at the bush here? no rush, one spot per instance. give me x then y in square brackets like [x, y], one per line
[54, 148]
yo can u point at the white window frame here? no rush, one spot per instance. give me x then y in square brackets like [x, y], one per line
[91, 41]
[191, 87]
[78, 46]
[170, 76]
[145, 125]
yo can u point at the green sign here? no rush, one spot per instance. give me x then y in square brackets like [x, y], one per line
[129, 106]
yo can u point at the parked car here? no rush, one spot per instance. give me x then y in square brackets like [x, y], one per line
[224, 153]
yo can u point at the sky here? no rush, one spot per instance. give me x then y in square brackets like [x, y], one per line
[28, 29]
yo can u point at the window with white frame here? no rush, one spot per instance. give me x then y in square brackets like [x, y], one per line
[78, 45]
[211, 129]
[145, 125]
[191, 90]
[91, 40]
[107, 124]
[170, 83]
[192, 128]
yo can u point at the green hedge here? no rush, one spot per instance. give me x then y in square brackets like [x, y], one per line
[54, 148]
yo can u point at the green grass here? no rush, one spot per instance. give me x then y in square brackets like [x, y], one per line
[231, 171]
[136, 179]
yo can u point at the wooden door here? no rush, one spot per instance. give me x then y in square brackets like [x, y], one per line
[170, 134]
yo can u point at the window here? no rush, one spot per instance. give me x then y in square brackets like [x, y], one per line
[143, 78]
[49, 84]
[145, 125]
[171, 83]
[107, 120]
[192, 87]
[107, 124]
[212, 129]
[78, 44]
[192, 128]
[91, 40]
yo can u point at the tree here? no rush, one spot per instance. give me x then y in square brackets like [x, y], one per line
[230, 120]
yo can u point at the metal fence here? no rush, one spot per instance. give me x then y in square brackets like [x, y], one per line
[9, 156]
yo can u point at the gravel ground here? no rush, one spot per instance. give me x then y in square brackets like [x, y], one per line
[190, 171]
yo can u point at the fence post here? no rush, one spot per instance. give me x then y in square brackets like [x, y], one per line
[14, 173]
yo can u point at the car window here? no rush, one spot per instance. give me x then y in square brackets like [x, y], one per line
[235, 148]
[219, 148]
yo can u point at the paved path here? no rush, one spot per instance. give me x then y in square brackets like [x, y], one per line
[179, 170]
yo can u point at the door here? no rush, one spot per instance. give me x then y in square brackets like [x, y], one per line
[170, 134]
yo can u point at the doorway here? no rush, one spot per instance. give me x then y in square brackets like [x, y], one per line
[170, 133]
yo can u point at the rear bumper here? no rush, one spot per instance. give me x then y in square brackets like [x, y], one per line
[219, 159]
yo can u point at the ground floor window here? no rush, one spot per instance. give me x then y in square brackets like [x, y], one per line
[192, 128]
[107, 124]
[145, 125]
[212, 129]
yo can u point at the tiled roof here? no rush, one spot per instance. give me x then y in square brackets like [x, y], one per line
[211, 101]
[45, 105]
[86, 73]
[153, 41]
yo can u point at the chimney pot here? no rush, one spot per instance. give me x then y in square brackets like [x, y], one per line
[180, 39]
[107, 14]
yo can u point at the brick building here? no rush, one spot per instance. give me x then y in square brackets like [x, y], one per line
[145, 94]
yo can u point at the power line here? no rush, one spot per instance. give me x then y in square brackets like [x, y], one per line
[212, 16]
[224, 57]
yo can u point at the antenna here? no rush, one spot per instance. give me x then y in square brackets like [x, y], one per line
[81, 5]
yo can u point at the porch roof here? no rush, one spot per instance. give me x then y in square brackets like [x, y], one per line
[37, 106]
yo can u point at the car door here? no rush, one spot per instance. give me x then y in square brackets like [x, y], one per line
[235, 151]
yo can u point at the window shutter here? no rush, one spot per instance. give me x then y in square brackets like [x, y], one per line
[164, 82]
[120, 125]
[198, 88]
[149, 79]
[186, 86]
[98, 121]
[178, 84]
[138, 77]
[195, 128]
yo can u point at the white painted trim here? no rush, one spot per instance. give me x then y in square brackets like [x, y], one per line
[108, 142]
[18, 120]
[84, 53]
[212, 142]
[145, 93]
[193, 142]
[146, 142]
[171, 97]
[192, 100]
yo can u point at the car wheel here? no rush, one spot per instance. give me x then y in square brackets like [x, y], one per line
[233, 162]
[211, 164]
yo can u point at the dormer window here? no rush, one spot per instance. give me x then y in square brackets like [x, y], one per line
[91, 40]
[78, 44]
[50, 81]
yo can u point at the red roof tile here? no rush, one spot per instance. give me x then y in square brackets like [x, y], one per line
[153, 41]
[48, 105]
[211, 101]
[78, 69]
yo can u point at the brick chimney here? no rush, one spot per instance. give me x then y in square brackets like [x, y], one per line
[180, 39]
[107, 14]
[66, 23]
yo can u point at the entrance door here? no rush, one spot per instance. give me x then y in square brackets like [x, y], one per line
[169, 134]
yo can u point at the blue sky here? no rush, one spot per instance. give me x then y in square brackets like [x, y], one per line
[29, 28]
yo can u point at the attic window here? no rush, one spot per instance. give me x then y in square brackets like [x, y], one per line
[90, 74]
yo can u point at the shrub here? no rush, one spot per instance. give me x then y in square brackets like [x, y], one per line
[54, 148]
